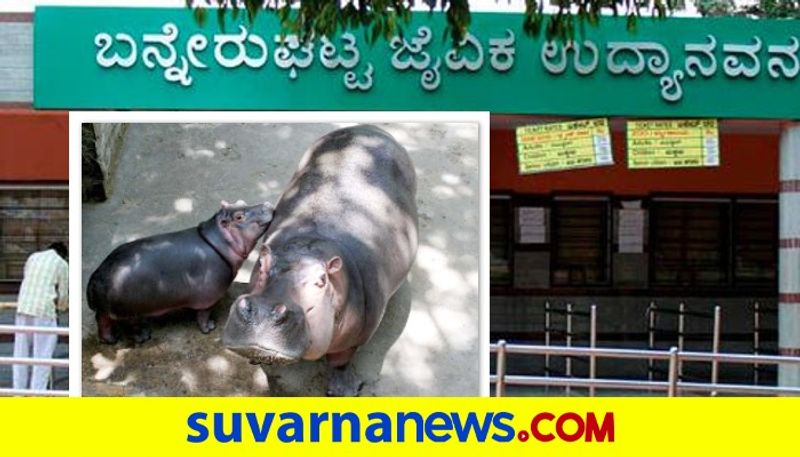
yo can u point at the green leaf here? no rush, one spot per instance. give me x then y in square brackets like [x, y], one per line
[376, 31]
[221, 18]
[631, 23]
[199, 14]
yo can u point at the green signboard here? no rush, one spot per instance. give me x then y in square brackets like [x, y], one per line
[142, 58]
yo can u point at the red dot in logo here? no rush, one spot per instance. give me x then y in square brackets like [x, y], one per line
[522, 436]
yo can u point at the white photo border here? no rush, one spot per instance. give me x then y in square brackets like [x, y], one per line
[77, 118]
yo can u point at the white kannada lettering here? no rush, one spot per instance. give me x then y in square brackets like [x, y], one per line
[777, 64]
[151, 51]
[694, 64]
[735, 67]
[103, 41]
[501, 52]
[550, 50]
[580, 67]
[656, 64]
[284, 54]
[179, 75]
[455, 61]
[329, 57]
[238, 40]
[196, 43]
[351, 81]
[671, 90]
[402, 46]
[430, 78]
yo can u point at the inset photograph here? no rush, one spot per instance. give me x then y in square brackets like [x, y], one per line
[34, 253]
[291, 259]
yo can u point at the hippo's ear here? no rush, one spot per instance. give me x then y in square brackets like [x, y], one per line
[224, 204]
[334, 265]
[223, 219]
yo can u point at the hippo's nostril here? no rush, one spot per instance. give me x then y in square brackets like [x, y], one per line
[245, 309]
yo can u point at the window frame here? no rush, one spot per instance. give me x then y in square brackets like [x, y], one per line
[607, 234]
[731, 287]
[11, 286]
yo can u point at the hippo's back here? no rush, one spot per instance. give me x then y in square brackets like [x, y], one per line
[152, 275]
[356, 186]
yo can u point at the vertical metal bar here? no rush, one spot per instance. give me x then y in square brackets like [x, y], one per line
[592, 344]
[568, 359]
[756, 338]
[651, 337]
[547, 337]
[715, 347]
[500, 386]
[672, 388]
[681, 330]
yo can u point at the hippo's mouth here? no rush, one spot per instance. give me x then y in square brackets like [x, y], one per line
[259, 355]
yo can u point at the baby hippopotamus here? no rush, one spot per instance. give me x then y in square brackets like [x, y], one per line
[342, 242]
[190, 268]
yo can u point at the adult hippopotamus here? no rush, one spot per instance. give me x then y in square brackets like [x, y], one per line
[190, 268]
[342, 241]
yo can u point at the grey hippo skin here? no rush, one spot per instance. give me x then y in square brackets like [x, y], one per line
[342, 242]
[191, 268]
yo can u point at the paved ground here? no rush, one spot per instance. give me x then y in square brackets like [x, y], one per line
[173, 176]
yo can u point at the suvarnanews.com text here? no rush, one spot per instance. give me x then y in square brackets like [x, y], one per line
[380, 427]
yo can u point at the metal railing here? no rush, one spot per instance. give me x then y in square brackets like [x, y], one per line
[673, 386]
[652, 312]
[61, 363]
[568, 333]
[658, 336]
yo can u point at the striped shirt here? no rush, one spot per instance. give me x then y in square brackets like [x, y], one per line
[45, 285]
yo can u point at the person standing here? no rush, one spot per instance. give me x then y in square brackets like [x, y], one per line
[44, 290]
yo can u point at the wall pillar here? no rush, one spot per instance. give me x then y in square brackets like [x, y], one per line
[789, 254]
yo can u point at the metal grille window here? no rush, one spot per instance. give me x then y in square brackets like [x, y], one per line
[580, 242]
[30, 219]
[755, 246]
[500, 231]
[690, 242]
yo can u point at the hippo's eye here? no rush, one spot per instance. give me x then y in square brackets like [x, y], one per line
[239, 217]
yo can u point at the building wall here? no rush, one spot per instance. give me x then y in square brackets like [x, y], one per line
[16, 58]
[749, 165]
[34, 145]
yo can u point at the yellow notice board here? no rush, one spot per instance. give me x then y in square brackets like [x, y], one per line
[673, 143]
[563, 146]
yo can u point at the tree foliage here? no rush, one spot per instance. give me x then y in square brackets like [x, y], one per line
[386, 18]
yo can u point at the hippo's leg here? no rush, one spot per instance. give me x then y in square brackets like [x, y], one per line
[343, 381]
[140, 331]
[204, 320]
[105, 327]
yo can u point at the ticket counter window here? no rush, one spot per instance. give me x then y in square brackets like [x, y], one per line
[500, 241]
[755, 249]
[717, 243]
[580, 243]
[30, 219]
[690, 243]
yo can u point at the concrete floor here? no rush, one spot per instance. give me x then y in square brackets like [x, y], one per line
[173, 176]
